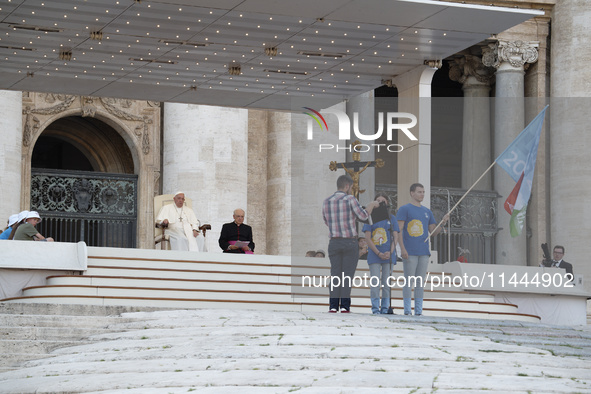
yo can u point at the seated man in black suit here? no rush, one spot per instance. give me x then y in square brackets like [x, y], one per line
[236, 231]
[557, 261]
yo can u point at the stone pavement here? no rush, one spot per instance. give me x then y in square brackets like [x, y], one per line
[222, 351]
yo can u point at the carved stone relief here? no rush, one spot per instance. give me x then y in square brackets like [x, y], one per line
[469, 66]
[88, 108]
[516, 53]
[31, 125]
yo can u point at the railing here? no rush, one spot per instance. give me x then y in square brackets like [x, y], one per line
[97, 208]
[473, 223]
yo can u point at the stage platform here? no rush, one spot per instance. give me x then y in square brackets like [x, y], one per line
[171, 279]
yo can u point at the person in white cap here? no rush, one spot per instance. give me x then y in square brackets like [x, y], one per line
[181, 225]
[27, 231]
[12, 220]
[20, 220]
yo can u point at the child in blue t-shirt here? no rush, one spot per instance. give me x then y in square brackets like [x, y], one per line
[381, 238]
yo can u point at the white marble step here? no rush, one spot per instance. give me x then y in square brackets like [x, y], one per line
[35, 331]
[222, 267]
[237, 305]
[254, 277]
[190, 275]
[255, 296]
[167, 303]
[282, 265]
[234, 282]
[191, 266]
[32, 333]
[174, 283]
[121, 277]
[147, 257]
[258, 296]
[56, 321]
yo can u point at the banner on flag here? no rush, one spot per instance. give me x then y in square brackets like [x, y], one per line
[510, 201]
[519, 160]
[514, 157]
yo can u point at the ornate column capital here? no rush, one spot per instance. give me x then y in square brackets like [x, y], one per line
[469, 66]
[516, 53]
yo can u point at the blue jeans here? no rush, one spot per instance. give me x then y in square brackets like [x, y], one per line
[415, 268]
[379, 273]
[343, 254]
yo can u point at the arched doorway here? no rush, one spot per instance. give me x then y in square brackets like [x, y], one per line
[83, 183]
[76, 142]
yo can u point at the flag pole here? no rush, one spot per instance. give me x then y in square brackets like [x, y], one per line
[526, 130]
[460, 200]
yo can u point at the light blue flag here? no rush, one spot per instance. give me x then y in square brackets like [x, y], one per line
[514, 158]
[520, 206]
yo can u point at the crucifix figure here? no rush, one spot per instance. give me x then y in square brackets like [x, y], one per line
[355, 168]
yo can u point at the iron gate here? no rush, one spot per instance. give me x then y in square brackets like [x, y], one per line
[97, 208]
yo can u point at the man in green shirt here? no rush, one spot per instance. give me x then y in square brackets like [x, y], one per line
[27, 231]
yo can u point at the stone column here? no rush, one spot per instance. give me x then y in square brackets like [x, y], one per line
[414, 162]
[279, 235]
[11, 125]
[258, 121]
[537, 91]
[205, 155]
[363, 106]
[509, 59]
[569, 137]
[476, 138]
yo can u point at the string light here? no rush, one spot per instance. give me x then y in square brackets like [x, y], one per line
[206, 55]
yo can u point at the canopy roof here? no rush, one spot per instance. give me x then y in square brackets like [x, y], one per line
[240, 53]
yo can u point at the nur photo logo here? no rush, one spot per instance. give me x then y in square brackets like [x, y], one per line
[402, 121]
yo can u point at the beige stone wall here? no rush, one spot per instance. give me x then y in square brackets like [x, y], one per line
[10, 154]
[205, 155]
[570, 137]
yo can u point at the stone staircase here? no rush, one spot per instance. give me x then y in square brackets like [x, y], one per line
[254, 352]
[169, 279]
[32, 331]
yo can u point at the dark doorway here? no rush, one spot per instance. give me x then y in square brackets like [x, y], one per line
[55, 153]
[82, 144]
[446, 129]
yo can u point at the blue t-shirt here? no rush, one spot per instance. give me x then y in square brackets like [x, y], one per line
[381, 236]
[6, 233]
[416, 228]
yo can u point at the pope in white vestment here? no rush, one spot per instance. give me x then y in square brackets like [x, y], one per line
[181, 225]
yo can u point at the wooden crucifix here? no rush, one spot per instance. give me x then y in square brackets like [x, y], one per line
[355, 168]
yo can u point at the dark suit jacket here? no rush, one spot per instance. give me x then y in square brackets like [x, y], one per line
[233, 232]
[563, 264]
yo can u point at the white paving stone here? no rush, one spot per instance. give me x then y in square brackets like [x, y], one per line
[219, 351]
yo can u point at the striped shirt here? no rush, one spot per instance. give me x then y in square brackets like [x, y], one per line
[340, 212]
